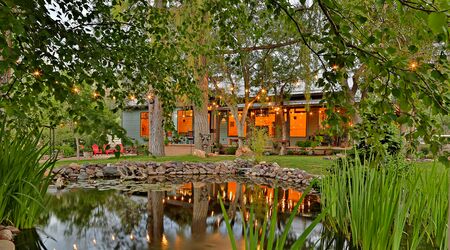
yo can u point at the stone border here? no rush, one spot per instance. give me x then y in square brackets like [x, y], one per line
[263, 172]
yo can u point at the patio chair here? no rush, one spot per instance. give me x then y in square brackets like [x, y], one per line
[108, 150]
[96, 150]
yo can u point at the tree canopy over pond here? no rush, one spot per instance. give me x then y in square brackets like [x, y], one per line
[388, 58]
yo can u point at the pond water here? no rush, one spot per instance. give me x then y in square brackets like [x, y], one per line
[138, 215]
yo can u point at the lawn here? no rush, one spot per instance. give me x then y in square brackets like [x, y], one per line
[311, 164]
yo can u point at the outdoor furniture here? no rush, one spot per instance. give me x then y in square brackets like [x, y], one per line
[96, 150]
[122, 149]
[109, 150]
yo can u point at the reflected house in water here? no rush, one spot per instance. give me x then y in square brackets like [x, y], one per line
[186, 216]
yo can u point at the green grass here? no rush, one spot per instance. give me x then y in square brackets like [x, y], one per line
[311, 164]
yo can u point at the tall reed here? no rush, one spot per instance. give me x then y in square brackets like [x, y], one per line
[387, 207]
[265, 236]
[23, 180]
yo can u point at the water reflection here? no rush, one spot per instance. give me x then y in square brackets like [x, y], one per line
[183, 216]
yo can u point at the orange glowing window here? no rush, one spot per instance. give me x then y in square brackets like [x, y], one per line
[184, 121]
[297, 122]
[266, 121]
[145, 132]
[232, 126]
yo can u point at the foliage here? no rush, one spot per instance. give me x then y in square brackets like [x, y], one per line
[23, 179]
[379, 139]
[66, 150]
[401, 205]
[230, 150]
[264, 235]
[258, 140]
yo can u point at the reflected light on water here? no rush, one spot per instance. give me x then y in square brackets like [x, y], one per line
[164, 240]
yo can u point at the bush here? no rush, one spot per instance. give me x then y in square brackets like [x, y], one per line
[258, 140]
[66, 150]
[231, 150]
[303, 144]
[290, 152]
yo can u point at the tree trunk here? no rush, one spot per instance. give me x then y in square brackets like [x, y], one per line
[233, 206]
[201, 125]
[283, 132]
[156, 137]
[200, 210]
[77, 142]
[155, 219]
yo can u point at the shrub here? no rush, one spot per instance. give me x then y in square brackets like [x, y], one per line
[290, 152]
[258, 140]
[303, 144]
[23, 179]
[66, 150]
[231, 150]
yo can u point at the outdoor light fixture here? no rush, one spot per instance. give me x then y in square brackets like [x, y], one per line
[36, 73]
[413, 65]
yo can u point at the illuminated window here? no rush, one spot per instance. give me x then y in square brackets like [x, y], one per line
[232, 126]
[266, 121]
[297, 122]
[184, 121]
[145, 132]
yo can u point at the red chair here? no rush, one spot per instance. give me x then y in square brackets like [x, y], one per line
[109, 150]
[96, 150]
[122, 149]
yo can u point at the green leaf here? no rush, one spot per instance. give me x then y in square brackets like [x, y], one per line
[437, 21]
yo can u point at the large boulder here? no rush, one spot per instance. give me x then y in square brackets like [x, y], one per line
[244, 151]
[111, 171]
[199, 153]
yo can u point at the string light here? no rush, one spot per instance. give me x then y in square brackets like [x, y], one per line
[132, 97]
[76, 90]
[94, 241]
[149, 96]
[413, 65]
[75, 247]
[310, 113]
[113, 237]
[37, 73]
[131, 237]
[95, 94]
[247, 90]
[263, 91]
[335, 67]
[148, 237]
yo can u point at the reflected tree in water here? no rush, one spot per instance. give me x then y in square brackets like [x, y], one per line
[155, 219]
[200, 208]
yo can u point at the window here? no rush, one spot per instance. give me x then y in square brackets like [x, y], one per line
[232, 126]
[266, 121]
[145, 131]
[184, 121]
[297, 122]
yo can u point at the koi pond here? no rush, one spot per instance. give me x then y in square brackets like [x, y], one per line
[112, 214]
